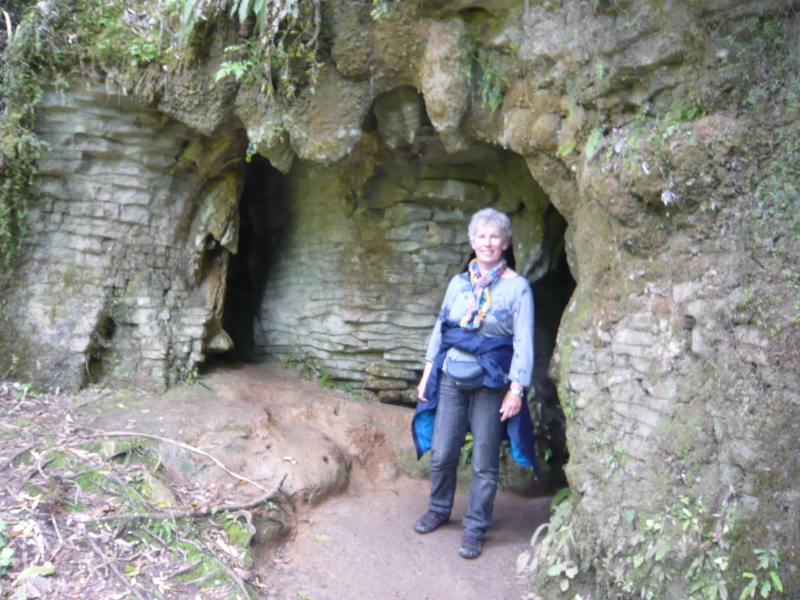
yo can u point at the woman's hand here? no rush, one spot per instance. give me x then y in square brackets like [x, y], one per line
[511, 406]
[421, 390]
[424, 382]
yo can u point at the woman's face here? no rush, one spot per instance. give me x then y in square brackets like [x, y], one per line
[489, 245]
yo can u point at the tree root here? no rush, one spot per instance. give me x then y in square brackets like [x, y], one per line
[183, 514]
[179, 445]
[114, 569]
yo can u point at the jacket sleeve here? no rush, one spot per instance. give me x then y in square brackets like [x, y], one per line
[521, 369]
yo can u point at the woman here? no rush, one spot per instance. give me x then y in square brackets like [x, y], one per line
[478, 364]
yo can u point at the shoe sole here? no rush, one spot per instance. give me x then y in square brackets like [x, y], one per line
[471, 551]
[426, 530]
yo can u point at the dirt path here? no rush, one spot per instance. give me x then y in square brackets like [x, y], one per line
[348, 466]
[360, 547]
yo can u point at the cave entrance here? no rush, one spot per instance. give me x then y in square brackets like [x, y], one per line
[551, 292]
[343, 270]
[261, 227]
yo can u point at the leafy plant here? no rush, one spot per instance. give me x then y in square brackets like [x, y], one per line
[592, 142]
[766, 579]
[491, 87]
[13, 366]
[685, 542]
[328, 382]
[466, 451]
[566, 149]
[287, 360]
[238, 68]
[682, 112]
[281, 51]
[559, 497]
[382, 9]
[599, 71]
[143, 54]
[163, 528]
[6, 552]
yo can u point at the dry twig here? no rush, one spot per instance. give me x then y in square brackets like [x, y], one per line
[185, 447]
[183, 514]
[185, 569]
[17, 455]
[114, 569]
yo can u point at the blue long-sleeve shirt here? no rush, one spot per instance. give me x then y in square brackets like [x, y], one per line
[511, 314]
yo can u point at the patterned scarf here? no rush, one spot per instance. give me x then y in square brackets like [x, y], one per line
[481, 302]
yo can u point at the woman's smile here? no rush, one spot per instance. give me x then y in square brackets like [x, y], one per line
[489, 245]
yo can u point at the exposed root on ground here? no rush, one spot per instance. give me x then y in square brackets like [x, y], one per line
[85, 515]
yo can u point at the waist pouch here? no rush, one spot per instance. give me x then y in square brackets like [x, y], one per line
[467, 375]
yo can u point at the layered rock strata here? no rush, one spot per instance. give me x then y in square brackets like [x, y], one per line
[664, 135]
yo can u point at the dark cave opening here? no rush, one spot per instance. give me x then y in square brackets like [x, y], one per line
[98, 356]
[265, 230]
[262, 224]
[551, 293]
[552, 285]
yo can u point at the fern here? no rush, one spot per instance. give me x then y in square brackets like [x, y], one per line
[592, 142]
[258, 8]
[599, 71]
[281, 49]
[559, 497]
[565, 149]
[187, 18]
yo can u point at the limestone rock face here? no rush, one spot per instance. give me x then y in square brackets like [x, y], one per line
[118, 284]
[195, 98]
[264, 121]
[399, 116]
[358, 271]
[386, 53]
[653, 143]
[327, 120]
[445, 78]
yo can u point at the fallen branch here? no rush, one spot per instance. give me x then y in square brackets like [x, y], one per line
[180, 445]
[60, 539]
[16, 456]
[257, 502]
[231, 573]
[182, 514]
[536, 533]
[203, 578]
[114, 569]
[185, 569]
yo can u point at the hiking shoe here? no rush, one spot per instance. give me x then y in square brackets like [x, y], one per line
[470, 546]
[429, 521]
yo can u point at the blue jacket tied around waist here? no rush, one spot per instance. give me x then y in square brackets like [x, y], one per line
[494, 355]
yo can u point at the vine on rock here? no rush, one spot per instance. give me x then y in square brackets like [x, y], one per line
[52, 42]
[686, 543]
[135, 47]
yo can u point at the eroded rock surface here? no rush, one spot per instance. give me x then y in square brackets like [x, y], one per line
[119, 283]
[662, 134]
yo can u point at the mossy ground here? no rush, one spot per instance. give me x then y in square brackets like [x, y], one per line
[80, 516]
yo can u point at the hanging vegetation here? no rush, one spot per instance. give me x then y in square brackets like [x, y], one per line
[136, 47]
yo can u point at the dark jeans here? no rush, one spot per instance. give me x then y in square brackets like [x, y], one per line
[457, 411]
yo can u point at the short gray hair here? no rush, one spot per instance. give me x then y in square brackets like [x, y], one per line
[493, 218]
